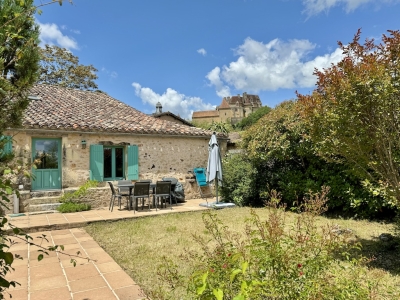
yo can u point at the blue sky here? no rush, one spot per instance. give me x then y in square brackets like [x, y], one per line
[189, 54]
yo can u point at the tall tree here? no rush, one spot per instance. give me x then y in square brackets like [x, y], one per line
[355, 110]
[19, 39]
[60, 66]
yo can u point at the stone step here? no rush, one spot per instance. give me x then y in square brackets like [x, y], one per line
[42, 207]
[49, 193]
[43, 200]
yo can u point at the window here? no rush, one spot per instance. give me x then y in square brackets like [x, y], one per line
[109, 163]
[113, 162]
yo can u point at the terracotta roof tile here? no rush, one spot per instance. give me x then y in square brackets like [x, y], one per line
[76, 110]
[224, 104]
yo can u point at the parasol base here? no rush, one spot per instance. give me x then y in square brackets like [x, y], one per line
[217, 205]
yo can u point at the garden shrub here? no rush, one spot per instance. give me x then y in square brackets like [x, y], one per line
[286, 159]
[276, 259]
[238, 184]
[81, 192]
[69, 207]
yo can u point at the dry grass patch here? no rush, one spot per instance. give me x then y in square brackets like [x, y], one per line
[140, 246]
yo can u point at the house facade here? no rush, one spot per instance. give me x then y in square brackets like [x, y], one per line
[232, 109]
[72, 136]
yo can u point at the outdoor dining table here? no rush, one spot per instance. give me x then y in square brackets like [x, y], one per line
[131, 187]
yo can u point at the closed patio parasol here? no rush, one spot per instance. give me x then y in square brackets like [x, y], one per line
[214, 171]
[214, 166]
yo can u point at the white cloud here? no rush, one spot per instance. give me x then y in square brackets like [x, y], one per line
[202, 51]
[214, 77]
[172, 101]
[271, 66]
[314, 7]
[51, 34]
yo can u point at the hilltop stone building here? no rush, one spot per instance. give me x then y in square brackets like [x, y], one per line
[232, 109]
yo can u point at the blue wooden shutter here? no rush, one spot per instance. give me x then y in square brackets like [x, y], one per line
[133, 162]
[96, 162]
[7, 147]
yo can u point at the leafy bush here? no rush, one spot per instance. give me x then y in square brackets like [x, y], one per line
[286, 159]
[81, 192]
[70, 207]
[252, 118]
[238, 181]
[275, 260]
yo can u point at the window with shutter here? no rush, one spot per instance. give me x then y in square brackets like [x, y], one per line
[5, 145]
[133, 162]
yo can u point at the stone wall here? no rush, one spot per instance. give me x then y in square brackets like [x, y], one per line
[159, 155]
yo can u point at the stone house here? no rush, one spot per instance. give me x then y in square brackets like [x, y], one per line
[75, 135]
[232, 109]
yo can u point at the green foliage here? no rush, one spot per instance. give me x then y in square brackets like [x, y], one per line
[252, 118]
[223, 127]
[274, 260]
[60, 66]
[220, 127]
[19, 53]
[286, 159]
[82, 191]
[70, 207]
[354, 111]
[239, 181]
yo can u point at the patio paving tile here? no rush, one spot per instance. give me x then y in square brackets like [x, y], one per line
[118, 279]
[108, 267]
[18, 294]
[45, 271]
[88, 283]
[56, 293]
[85, 271]
[132, 292]
[47, 283]
[98, 294]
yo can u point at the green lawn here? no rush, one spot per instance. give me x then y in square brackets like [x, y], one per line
[141, 245]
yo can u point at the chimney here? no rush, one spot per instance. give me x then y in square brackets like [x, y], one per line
[158, 108]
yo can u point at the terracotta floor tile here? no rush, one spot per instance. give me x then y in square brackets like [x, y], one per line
[21, 283]
[118, 279]
[101, 257]
[57, 236]
[19, 262]
[132, 292]
[66, 241]
[97, 294]
[56, 293]
[66, 263]
[34, 253]
[89, 244]
[84, 238]
[108, 267]
[80, 272]
[48, 283]
[17, 295]
[88, 283]
[61, 232]
[20, 271]
[21, 253]
[45, 261]
[45, 271]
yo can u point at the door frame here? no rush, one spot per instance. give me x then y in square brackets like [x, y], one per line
[59, 169]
